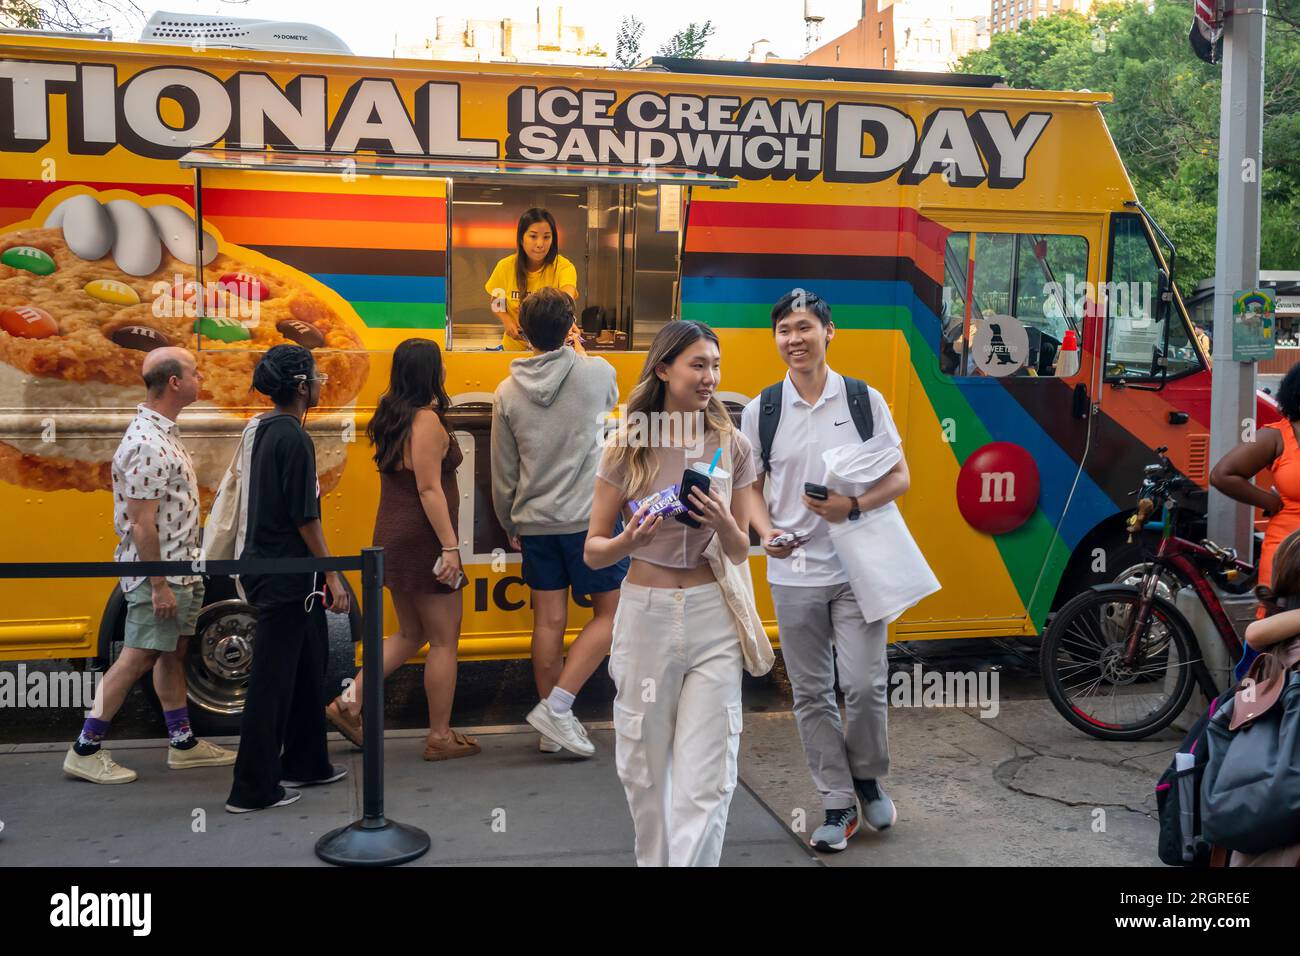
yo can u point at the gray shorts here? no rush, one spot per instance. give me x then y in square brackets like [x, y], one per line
[143, 628]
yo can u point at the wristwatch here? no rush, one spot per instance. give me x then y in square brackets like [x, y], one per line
[854, 512]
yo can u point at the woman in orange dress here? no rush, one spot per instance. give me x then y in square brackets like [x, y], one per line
[1276, 447]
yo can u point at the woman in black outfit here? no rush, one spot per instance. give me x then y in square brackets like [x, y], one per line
[282, 737]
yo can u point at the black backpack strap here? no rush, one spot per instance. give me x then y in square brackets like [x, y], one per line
[859, 398]
[769, 416]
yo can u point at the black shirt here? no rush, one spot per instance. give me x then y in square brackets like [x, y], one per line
[283, 495]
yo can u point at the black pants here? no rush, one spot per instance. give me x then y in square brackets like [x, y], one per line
[284, 712]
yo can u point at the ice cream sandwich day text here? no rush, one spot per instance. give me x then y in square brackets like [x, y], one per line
[752, 138]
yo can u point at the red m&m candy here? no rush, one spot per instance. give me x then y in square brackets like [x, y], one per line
[245, 286]
[28, 322]
[997, 488]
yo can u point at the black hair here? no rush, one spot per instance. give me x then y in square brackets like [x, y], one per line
[800, 300]
[532, 217]
[157, 378]
[415, 383]
[546, 316]
[1288, 394]
[1284, 591]
[280, 370]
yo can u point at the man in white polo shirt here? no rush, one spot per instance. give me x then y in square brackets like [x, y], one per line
[818, 616]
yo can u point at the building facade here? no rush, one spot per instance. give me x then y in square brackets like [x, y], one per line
[549, 39]
[1009, 14]
[923, 35]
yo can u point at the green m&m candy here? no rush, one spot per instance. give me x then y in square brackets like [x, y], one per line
[29, 259]
[222, 329]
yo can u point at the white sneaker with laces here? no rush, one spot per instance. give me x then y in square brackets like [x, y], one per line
[563, 729]
[99, 767]
[202, 754]
[546, 745]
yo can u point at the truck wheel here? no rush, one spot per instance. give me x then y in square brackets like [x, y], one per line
[220, 660]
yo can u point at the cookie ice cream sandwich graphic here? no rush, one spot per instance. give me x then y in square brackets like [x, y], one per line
[104, 279]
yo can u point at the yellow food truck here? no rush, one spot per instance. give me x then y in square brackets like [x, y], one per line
[990, 271]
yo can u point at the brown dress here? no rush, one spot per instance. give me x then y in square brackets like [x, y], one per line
[411, 546]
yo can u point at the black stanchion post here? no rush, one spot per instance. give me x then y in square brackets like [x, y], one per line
[373, 840]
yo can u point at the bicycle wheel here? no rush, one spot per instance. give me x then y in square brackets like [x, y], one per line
[1082, 662]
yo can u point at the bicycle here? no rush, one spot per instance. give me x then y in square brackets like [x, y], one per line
[1125, 647]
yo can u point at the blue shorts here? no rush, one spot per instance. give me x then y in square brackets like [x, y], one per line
[553, 562]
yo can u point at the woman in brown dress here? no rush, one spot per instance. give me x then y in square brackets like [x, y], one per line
[416, 524]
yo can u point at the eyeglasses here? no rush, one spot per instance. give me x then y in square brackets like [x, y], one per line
[322, 378]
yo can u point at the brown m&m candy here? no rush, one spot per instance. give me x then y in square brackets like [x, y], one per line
[306, 335]
[28, 322]
[142, 338]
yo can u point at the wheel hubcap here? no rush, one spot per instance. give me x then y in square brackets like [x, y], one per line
[221, 658]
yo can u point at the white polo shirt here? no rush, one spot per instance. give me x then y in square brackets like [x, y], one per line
[803, 433]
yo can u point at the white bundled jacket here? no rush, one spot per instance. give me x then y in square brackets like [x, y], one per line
[886, 570]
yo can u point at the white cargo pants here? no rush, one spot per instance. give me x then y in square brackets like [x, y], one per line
[676, 662]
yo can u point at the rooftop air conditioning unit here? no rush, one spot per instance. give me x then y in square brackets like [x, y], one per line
[190, 29]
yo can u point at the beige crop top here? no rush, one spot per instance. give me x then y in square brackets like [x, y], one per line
[676, 545]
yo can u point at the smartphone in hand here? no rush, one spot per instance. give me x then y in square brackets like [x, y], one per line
[819, 492]
[692, 479]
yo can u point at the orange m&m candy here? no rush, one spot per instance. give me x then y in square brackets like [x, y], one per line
[28, 322]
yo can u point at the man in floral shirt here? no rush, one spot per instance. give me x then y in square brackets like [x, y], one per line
[156, 516]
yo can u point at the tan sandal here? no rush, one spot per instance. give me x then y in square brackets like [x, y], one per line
[460, 745]
[345, 722]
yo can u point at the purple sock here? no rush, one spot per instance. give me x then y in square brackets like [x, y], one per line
[93, 732]
[178, 728]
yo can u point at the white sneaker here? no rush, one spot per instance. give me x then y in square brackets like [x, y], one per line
[563, 729]
[202, 754]
[99, 767]
[548, 746]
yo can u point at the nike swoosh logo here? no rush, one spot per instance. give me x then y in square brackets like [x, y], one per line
[845, 422]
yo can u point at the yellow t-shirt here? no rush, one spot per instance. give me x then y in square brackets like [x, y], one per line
[559, 273]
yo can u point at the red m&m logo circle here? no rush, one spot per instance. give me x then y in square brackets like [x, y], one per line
[997, 488]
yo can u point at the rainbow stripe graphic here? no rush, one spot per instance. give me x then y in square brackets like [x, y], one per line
[384, 254]
[881, 268]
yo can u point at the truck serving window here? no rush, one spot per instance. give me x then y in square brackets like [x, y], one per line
[619, 229]
[619, 244]
[1010, 300]
[1134, 339]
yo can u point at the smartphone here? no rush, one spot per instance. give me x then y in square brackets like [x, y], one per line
[692, 479]
[815, 491]
[437, 569]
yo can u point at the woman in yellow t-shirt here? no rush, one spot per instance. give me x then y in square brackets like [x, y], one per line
[536, 264]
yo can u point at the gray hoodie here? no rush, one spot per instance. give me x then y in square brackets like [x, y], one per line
[546, 441]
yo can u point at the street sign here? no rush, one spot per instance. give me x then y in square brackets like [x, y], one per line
[1252, 326]
[1206, 35]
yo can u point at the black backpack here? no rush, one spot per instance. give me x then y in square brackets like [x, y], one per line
[1168, 799]
[769, 414]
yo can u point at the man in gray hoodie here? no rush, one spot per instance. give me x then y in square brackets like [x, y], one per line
[545, 448]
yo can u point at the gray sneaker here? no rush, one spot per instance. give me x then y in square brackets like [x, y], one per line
[878, 811]
[833, 835]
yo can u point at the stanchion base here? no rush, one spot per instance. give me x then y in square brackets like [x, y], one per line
[386, 845]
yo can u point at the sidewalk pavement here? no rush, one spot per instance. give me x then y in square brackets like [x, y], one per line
[509, 805]
[1021, 789]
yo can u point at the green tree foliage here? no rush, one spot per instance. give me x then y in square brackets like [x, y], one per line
[688, 43]
[19, 13]
[627, 49]
[1165, 117]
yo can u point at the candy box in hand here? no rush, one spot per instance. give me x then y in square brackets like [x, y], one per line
[664, 503]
